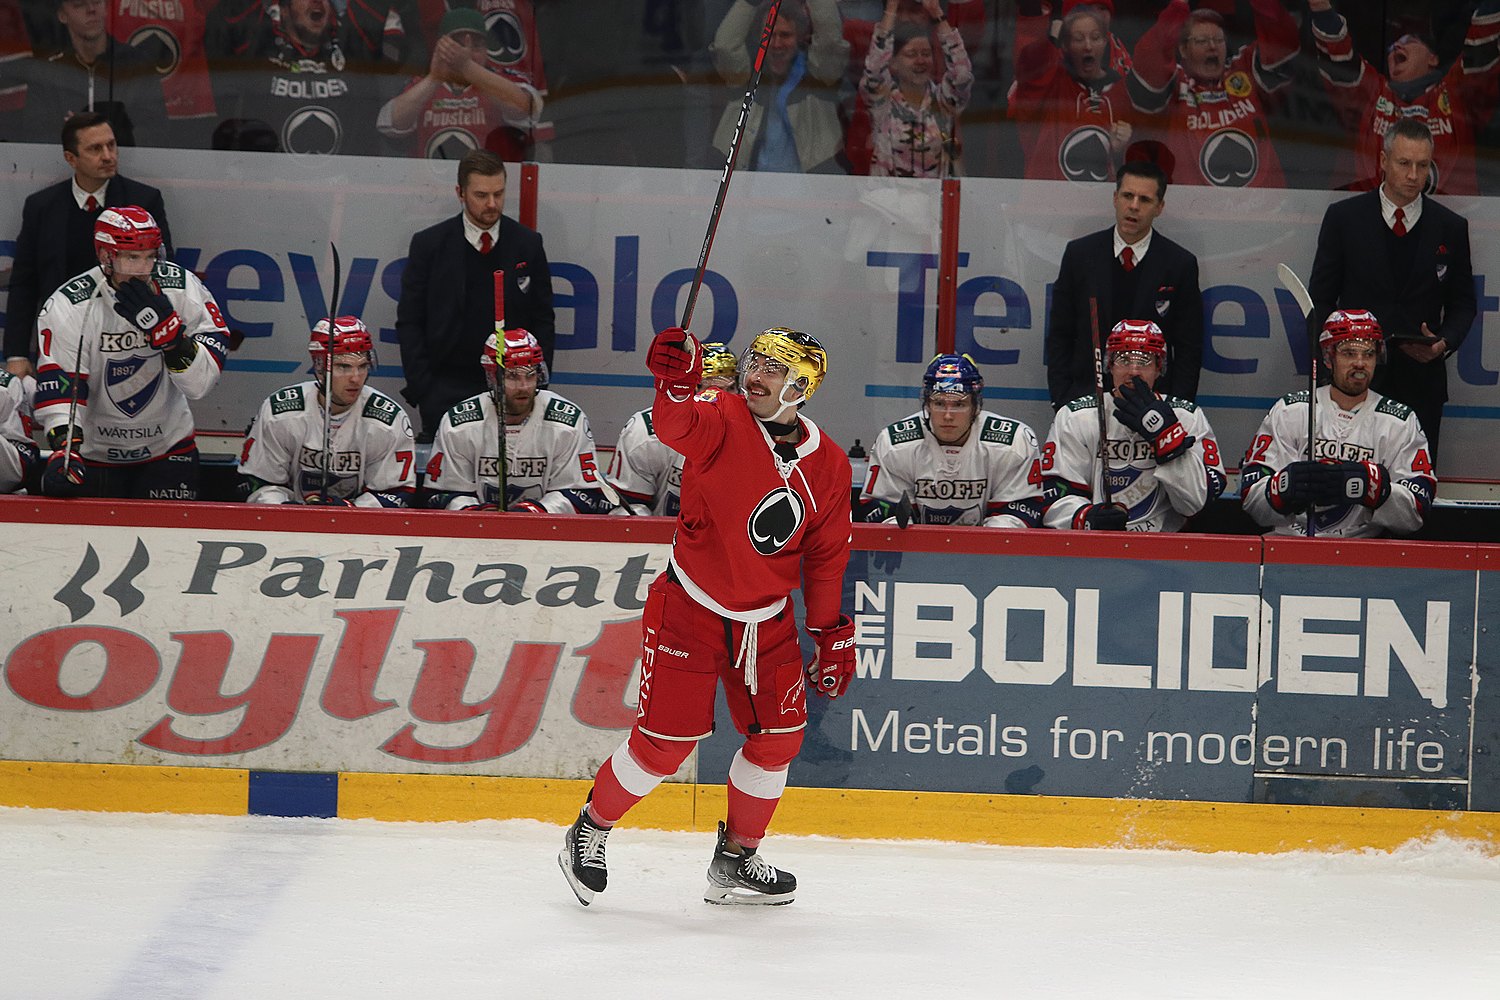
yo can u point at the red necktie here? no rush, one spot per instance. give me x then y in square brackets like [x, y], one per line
[1127, 259]
[1400, 227]
[485, 243]
[92, 205]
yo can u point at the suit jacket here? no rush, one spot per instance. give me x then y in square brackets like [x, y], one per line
[1352, 271]
[432, 305]
[44, 260]
[1167, 294]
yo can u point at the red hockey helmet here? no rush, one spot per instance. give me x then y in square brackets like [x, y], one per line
[349, 335]
[1136, 336]
[1350, 324]
[128, 227]
[521, 352]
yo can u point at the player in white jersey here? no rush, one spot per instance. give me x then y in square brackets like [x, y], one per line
[1370, 472]
[548, 447]
[648, 474]
[19, 457]
[1161, 458]
[371, 457]
[131, 341]
[956, 462]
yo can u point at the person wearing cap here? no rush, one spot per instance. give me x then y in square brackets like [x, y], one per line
[466, 101]
[1453, 103]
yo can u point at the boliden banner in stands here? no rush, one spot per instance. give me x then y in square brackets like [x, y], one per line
[852, 259]
[989, 661]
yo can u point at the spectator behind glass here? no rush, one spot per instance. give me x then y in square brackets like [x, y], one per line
[794, 124]
[1452, 104]
[57, 228]
[914, 118]
[1070, 103]
[968, 16]
[464, 102]
[1215, 108]
[90, 72]
[171, 38]
[309, 75]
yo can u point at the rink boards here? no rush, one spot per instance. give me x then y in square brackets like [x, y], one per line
[1017, 687]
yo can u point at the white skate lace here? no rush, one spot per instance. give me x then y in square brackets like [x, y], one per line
[591, 845]
[758, 868]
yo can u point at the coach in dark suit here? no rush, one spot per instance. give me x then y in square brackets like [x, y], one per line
[447, 305]
[1405, 258]
[1133, 272]
[57, 228]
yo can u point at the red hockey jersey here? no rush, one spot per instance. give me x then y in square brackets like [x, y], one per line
[751, 524]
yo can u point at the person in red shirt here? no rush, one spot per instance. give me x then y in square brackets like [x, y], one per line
[1452, 104]
[1070, 99]
[1214, 107]
[765, 506]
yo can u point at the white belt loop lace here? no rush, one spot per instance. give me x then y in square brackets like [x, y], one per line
[749, 647]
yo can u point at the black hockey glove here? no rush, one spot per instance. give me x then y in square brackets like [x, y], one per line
[1367, 483]
[151, 312]
[1152, 418]
[1101, 517]
[1300, 486]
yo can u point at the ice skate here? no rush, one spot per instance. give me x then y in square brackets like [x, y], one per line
[746, 879]
[582, 857]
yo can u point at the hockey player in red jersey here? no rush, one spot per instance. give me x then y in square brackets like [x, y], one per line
[765, 505]
[1453, 104]
[1214, 105]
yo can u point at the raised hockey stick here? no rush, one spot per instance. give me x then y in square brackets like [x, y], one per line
[1104, 486]
[734, 152]
[1293, 284]
[73, 478]
[500, 472]
[333, 310]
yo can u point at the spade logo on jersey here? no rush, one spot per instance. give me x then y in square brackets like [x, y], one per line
[159, 46]
[507, 42]
[1229, 159]
[775, 520]
[1084, 155]
[314, 130]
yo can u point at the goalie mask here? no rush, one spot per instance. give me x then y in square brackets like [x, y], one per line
[347, 335]
[1344, 325]
[1137, 337]
[719, 362]
[123, 229]
[521, 353]
[800, 354]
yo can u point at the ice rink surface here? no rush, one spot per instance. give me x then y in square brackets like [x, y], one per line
[101, 906]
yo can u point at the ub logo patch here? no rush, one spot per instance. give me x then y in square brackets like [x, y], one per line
[131, 383]
[775, 520]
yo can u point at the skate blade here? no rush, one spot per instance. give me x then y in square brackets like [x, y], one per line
[721, 895]
[584, 893]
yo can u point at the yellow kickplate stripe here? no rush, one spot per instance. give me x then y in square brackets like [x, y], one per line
[125, 787]
[1015, 820]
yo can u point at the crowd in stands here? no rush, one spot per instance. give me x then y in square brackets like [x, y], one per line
[1182, 102]
[1219, 92]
